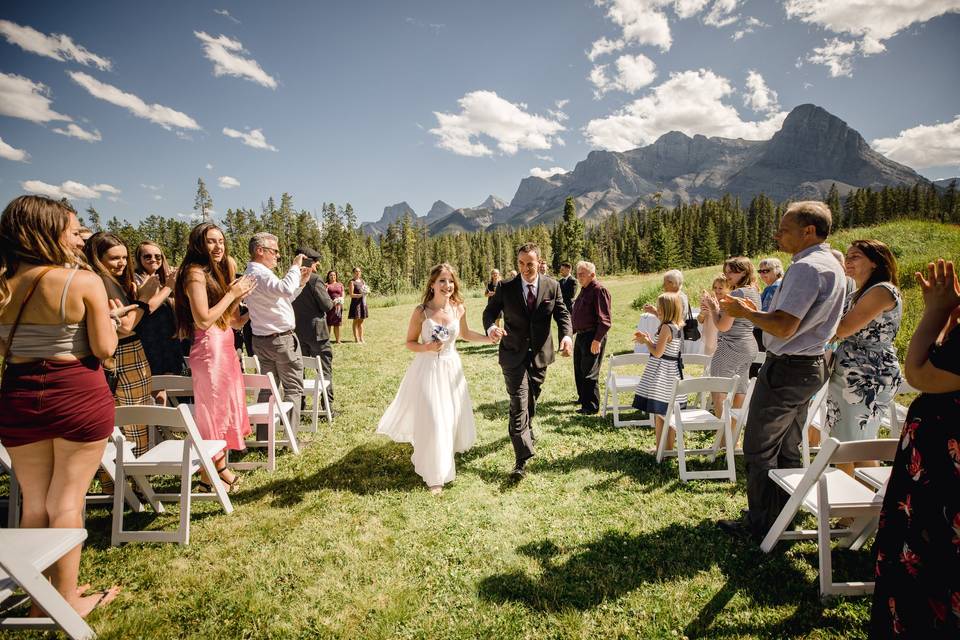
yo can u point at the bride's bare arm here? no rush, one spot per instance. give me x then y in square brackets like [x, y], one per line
[466, 333]
[413, 333]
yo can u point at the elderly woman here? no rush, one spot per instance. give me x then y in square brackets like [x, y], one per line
[672, 283]
[770, 271]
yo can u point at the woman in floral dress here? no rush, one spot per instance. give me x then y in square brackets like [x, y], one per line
[866, 372]
[917, 593]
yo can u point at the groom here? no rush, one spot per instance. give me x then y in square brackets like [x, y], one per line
[527, 302]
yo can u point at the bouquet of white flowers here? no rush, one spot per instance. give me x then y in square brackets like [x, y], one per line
[440, 334]
[364, 289]
[338, 300]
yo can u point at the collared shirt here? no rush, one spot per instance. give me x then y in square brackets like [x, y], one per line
[591, 310]
[269, 303]
[526, 287]
[813, 289]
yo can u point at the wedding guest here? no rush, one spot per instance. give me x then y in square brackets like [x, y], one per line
[158, 328]
[591, 322]
[542, 269]
[672, 283]
[803, 316]
[654, 392]
[492, 283]
[719, 288]
[56, 411]
[736, 346]
[206, 299]
[511, 274]
[770, 271]
[310, 309]
[866, 372]
[335, 315]
[358, 290]
[917, 592]
[568, 285]
[107, 255]
[273, 321]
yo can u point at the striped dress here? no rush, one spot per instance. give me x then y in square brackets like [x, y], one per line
[655, 389]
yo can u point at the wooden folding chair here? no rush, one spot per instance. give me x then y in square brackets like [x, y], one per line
[24, 555]
[315, 388]
[620, 382]
[685, 421]
[827, 492]
[175, 457]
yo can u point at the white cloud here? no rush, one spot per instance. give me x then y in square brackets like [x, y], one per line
[751, 25]
[68, 189]
[157, 196]
[604, 46]
[151, 187]
[545, 158]
[689, 8]
[642, 21]
[12, 153]
[74, 131]
[689, 101]
[837, 55]
[157, 113]
[558, 113]
[228, 182]
[57, 45]
[721, 13]
[484, 113]
[759, 96]
[253, 138]
[228, 61]
[869, 21]
[23, 98]
[537, 172]
[633, 73]
[226, 14]
[924, 145]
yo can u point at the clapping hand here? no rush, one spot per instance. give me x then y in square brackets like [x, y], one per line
[649, 308]
[941, 292]
[118, 310]
[737, 307]
[641, 337]
[149, 287]
[242, 286]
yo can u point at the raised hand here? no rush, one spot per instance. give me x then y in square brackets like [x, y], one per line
[242, 286]
[736, 307]
[941, 292]
[118, 310]
[649, 308]
[641, 337]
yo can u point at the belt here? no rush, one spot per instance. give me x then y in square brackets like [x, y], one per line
[788, 357]
[276, 335]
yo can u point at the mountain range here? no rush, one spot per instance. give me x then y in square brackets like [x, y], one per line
[812, 150]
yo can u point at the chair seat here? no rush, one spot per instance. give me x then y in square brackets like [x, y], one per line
[39, 547]
[309, 384]
[624, 383]
[876, 477]
[844, 491]
[695, 419]
[258, 411]
[170, 452]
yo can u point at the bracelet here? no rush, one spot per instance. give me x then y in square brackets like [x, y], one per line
[143, 306]
[116, 322]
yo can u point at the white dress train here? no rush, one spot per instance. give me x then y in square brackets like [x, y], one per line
[432, 409]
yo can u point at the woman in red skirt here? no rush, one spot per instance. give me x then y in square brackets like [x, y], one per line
[56, 410]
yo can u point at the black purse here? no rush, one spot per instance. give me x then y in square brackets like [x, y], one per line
[691, 328]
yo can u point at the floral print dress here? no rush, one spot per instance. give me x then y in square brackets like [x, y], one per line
[866, 375]
[917, 549]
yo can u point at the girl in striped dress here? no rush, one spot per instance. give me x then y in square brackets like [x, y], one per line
[654, 392]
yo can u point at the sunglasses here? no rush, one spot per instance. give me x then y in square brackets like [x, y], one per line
[764, 270]
[152, 256]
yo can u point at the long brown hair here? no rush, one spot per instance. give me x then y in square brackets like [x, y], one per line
[456, 297]
[96, 247]
[161, 272]
[886, 269]
[31, 232]
[218, 276]
[741, 264]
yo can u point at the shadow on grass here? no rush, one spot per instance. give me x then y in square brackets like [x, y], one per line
[616, 564]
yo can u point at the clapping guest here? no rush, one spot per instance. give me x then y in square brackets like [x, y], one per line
[917, 593]
[672, 283]
[108, 257]
[206, 301]
[310, 309]
[158, 328]
[771, 273]
[56, 410]
[492, 283]
[719, 288]
[335, 315]
[358, 304]
[654, 392]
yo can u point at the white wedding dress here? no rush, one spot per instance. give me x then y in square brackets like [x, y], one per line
[432, 409]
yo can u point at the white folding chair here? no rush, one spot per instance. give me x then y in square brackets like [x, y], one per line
[649, 324]
[174, 457]
[250, 364]
[827, 492]
[620, 382]
[273, 413]
[695, 359]
[738, 416]
[816, 418]
[686, 421]
[897, 413]
[314, 388]
[13, 502]
[24, 555]
[874, 477]
[108, 464]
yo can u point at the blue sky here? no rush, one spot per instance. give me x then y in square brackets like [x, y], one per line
[124, 105]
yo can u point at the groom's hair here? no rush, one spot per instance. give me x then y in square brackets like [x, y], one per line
[529, 247]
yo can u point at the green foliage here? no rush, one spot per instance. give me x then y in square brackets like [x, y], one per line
[203, 201]
[567, 237]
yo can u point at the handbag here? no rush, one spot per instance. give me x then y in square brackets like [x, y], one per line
[16, 323]
[691, 328]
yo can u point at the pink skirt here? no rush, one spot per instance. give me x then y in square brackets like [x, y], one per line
[219, 398]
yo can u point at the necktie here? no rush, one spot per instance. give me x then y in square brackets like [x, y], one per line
[531, 298]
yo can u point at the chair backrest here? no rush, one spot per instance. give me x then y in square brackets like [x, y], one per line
[706, 385]
[261, 381]
[817, 404]
[760, 358]
[311, 362]
[858, 450]
[696, 359]
[250, 364]
[626, 359]
[170, 383]
[906, 387]
[5, 461]
[178, 418]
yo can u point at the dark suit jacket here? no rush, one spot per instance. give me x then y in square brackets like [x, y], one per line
[310, 308]
[568, 286]
[528, 331]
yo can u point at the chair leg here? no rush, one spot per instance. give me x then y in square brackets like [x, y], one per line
[823, 539]
[119, 481]
[186, 498]
[45, 596]
[681, 449]
[731, 448]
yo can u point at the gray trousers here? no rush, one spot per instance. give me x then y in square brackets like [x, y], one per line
[281, 357]
[778, 410]
[523, 388]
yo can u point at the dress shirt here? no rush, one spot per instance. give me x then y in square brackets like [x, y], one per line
[591, 310]
[269, 303]
[526, 287]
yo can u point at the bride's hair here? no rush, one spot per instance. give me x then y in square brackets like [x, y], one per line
[456, 297]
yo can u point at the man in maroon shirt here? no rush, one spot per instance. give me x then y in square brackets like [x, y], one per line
[591, 322]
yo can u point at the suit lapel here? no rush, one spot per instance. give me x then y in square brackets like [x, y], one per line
[541, 290]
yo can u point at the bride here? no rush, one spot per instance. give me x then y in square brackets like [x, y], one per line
[432, 409]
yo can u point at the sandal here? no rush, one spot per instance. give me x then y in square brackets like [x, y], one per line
[230, 484]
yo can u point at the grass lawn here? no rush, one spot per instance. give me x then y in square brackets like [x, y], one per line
[597, 542]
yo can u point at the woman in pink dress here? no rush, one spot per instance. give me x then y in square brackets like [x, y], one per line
[206, 300]
[335, 315]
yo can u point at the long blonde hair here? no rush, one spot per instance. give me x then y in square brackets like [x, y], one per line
[456, 297]
[31, 232]
[670, 308]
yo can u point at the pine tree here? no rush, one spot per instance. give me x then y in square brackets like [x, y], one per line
[706, 249]
[664, 249]
[568, 238]
[833, 201]
[203, 203]
[94, 217]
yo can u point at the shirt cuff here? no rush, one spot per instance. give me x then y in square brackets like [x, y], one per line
[490, 328]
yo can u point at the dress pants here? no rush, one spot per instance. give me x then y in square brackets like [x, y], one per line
[280, 355]
[523, 386]
[778, 409]
[586, 370]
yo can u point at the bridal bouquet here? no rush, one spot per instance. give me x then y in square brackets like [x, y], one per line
[440, 334]
[364, 289]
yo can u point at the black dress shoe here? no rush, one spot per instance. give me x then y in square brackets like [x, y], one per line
[519, 470]
[738, 529]
[588, 412]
